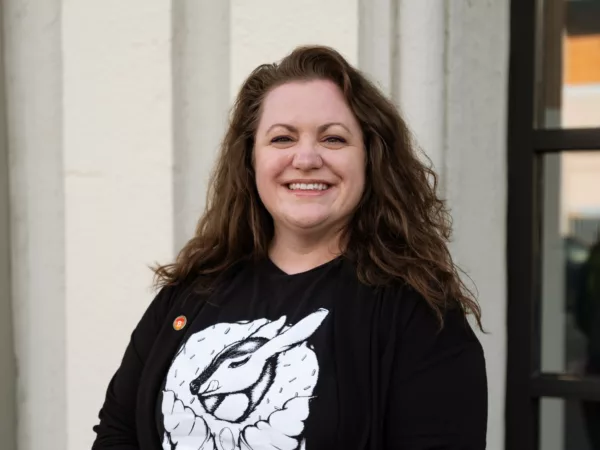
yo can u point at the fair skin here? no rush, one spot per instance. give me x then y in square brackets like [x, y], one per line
[309, 160]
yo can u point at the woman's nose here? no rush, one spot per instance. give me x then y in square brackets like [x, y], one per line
[307, 157]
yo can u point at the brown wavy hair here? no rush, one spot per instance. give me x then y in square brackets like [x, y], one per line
[400, 229]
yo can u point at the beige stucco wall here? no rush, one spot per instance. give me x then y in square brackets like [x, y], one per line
[8, 373]
[115, 114]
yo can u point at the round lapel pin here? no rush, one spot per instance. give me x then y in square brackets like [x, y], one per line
[179, 323]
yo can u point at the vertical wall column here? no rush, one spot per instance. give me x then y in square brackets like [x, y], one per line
[476, 173]
[420, 87]
[449, 76]
[118, 176]
[201, 81]
[8, 373]
[34, 129]
[402, 46]
[253, 42]
[377, 44]
[102, 154]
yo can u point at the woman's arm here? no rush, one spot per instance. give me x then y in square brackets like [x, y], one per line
[117, 427]
[438, 388]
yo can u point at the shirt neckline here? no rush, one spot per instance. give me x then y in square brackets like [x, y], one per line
[275, 270]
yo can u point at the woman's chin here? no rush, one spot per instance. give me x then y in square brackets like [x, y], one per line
[307, 223]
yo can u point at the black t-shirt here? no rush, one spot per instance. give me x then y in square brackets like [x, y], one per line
[315, 360]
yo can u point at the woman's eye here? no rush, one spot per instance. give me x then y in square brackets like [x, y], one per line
[281, 139]
[335, 140]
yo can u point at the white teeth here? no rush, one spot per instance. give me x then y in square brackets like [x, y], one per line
[308, 186]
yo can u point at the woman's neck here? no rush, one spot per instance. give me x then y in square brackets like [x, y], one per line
[295, 254]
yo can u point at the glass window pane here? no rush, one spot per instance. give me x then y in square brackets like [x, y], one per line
[568, 65]
[570, 263]
[569, 425]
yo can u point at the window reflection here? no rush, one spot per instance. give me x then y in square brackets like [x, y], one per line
[570, 291]
[569, 425]
[570, 288]
[568, 93]
[587, 308]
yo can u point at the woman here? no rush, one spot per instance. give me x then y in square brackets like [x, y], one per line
[317, 307]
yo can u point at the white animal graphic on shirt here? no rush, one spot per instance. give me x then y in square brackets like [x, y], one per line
[244, 385]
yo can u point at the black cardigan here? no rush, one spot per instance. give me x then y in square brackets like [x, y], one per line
[416, 387]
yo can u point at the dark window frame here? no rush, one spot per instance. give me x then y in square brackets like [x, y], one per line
[526, 147]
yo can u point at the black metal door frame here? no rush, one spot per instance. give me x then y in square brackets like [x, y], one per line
[525, 384]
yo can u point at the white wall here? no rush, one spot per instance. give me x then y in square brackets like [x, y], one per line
[90, 146]
[116, 112]
[34, 130]
[421, 82]
[475, 172]
[118, 180]
[201, 87]
[266, 30]
[449, 70]
[8, 374]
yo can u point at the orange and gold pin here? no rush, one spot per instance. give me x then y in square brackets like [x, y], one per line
[179, 323]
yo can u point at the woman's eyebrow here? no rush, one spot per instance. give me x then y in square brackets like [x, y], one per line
[288, 127]
[321, 129]
[324, 127]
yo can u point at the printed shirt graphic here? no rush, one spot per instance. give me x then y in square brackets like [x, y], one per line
[244, 385]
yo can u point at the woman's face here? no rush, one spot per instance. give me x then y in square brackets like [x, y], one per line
[309, 157]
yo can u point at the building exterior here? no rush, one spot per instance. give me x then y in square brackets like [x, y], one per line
[111, 116]
[553, 320]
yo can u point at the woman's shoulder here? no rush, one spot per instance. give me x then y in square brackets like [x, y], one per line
[175, 295]
[410, 316]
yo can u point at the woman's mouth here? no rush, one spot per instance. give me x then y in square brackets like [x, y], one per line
[307, 187]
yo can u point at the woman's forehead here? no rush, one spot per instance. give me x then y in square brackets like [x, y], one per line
[309, 102]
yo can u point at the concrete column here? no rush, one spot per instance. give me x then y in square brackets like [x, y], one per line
[449, 76]
[118, 177]
[476, 98]
[201, 83]
[332, 22]
[8, 382]
[420, 83]
[377, 42]
[90, 138]
[34, 130]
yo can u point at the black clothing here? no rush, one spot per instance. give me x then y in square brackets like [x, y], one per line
[315, 360]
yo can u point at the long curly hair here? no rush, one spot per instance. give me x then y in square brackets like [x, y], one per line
[400, 229]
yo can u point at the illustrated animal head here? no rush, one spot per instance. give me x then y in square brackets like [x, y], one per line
[241, 365]
[231, 370]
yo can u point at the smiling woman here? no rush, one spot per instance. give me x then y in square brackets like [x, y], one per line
[321, 308]
[309, 160]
